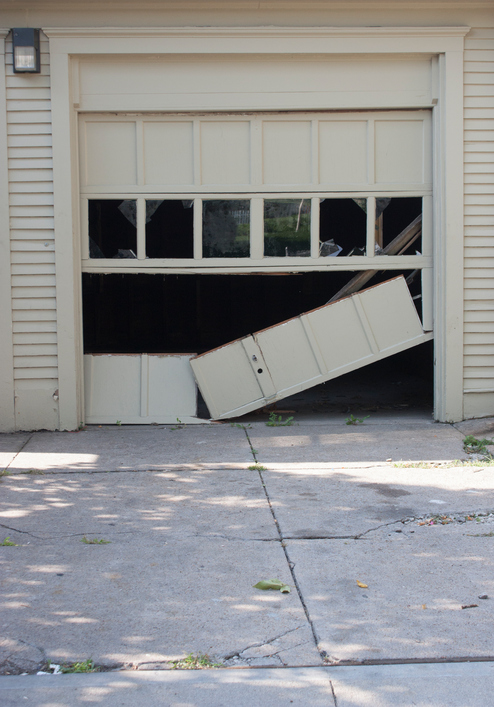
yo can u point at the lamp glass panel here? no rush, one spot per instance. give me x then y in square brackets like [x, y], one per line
[25, 58]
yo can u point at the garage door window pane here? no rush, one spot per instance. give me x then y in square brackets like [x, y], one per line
[394, 216]
[287, 227]
[169, 228]
[343, 227]
[112, 228]
[226, 228]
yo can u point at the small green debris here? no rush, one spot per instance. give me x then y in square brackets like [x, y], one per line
[8, 542]
[118, 422]
[274, 584]
[94, 541]
[355, 420]
[195, 662]
[85, 666]
[472, 445]
[277, 421]
[257, 467]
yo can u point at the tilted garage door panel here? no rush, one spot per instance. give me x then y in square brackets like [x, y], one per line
[287, 351]
[341, 337]
[339, 333]
[226, 379]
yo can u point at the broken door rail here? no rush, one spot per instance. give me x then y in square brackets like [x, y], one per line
[309, 349]
[397, 247]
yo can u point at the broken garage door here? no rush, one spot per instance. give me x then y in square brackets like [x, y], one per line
[309, 349]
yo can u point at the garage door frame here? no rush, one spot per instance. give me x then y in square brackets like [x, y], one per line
[67, 44]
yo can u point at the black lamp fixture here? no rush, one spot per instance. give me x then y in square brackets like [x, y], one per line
[25, 47]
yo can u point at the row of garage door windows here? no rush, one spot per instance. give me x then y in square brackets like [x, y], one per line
[113, 226]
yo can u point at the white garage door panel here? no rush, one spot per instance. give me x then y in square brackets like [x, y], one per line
[225, 152]
[110, 153]
[287, 156]
[219, 375]
[400, 152]
[384, 317]
[340, 336]
[343, 152]
[168, 152]
[257, 152]
[253, 83]
[288, 343]
[139, 389]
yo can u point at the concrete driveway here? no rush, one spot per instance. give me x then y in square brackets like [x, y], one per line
[137, 547]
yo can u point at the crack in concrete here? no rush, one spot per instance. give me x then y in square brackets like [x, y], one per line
[24, 532]
[20, 450]
[67, 535]
[167, 469]
[229, 656]
[283, 545]
[234, 538]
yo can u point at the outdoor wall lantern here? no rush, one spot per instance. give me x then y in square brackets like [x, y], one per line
[25, 44]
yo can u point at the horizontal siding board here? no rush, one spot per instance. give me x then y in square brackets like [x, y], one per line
[21, 104]
[35, 373]
[479, 317]
[29, 141]
[479, 327]
[34, 304]
[41, 361]
[478, 78]
[478, 306]
[471, 65]
[39, 223]
[29, 187]
[31, 163]
[43, 352]
[24, 93]
[479, 349]
[30, 245]
[27, 315]
[29, 152]
[479, 101]
[33, 291]
[31, 175]
[478, 133]
[28, 129]
[33, 281]
[479, 338]
[33, 199]
[25, 330]
[41, 80]
[478, 157]
[479, 89]
[32, 211]
[36, 337]
[478, 189]
[33, 264]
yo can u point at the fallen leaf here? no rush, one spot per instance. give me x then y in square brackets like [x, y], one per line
[424, 606]
[469, 606]
[362, 585]
[275, 584]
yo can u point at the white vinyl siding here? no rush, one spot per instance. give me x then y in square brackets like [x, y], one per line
[479, 223]
[32, 244]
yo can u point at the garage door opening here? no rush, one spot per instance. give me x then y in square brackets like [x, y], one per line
[184, 315]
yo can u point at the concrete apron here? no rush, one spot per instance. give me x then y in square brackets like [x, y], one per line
[190, 529]
[441, 685]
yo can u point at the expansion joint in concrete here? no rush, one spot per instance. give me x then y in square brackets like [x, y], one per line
[291, 565]
[20, 450]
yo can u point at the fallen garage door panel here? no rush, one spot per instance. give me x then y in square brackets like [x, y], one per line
[300, 353]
